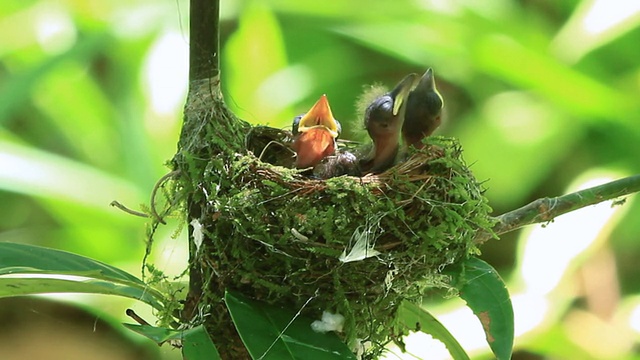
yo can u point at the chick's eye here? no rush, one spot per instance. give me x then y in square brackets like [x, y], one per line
[386, 106]
[296, 123]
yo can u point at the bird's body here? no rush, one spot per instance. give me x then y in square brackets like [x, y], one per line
[342, 163]
[383, 119]
[423, 111]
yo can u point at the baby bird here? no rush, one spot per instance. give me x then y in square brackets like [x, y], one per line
[315, 135]
[383, 120]
[423, 111]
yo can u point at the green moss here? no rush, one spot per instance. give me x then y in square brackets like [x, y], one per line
[277, 236]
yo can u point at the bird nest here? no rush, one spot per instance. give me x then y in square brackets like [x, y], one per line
[357, 246]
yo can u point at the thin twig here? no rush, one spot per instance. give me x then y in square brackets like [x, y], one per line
[127, 210]
[152, 202]
[546, 209]
[132, 314]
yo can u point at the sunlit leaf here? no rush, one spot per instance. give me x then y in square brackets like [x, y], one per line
[7, 8]
[332, 10]
[539, 139]
[594, 24]
[487, 296]
[79, 110]
[555, 342]
[41, 174]
[29, 259]
[423, 48]
[255, 52]
[17, 286]
[15, 91]
[273, 333]
[578, 93]
[28, 269]
[412, 317]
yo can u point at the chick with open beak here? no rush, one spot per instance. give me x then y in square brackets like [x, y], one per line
[315, 135]
[383, 119]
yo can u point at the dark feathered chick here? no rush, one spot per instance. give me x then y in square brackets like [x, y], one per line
[383, 120]
[342, 163]
[423, 111]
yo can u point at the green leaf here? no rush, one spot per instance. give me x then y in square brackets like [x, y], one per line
[197, 345]
[572, 90]
[28, 269]
[16, 90]
[15, 286]
[486, 294]
[28, 259]
[271, 332]
[61, 178]
[412, 317]
[255, 54]
[593, 36]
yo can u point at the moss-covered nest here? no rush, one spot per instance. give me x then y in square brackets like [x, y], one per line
[281, 237]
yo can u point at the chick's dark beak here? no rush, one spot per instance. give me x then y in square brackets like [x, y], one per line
[423, 111]
[315, 133]
[383, 119]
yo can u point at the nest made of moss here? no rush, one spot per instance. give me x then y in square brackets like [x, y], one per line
[357, 246]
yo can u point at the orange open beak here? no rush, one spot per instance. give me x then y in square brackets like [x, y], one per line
[317, 131]
[320, 116]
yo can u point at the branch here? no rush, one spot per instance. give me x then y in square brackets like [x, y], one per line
[204, 68]
[546, 209]
[204, 39]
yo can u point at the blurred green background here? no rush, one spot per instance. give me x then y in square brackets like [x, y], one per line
[543, 95]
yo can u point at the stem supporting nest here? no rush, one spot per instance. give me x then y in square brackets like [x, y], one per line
[546, 209]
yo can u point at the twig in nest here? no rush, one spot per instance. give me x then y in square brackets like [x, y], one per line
[152, 203]
[274, 142]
